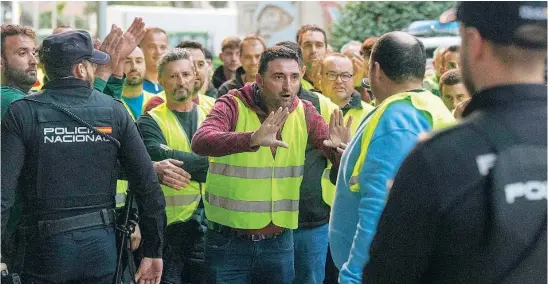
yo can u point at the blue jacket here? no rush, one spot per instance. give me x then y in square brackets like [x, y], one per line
[355, 215]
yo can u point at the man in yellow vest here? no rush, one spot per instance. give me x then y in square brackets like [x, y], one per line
[383, 139]
[256, 137]
[167, 131]
[313, 42]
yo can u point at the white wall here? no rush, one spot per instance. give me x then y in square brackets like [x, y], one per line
[219, 23]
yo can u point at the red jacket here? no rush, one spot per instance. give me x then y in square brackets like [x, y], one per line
[216, 136]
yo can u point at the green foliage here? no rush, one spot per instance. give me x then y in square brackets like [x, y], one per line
[360, 20]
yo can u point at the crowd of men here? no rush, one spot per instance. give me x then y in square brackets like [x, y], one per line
[286, 164]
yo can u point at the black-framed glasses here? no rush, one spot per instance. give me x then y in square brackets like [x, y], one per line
[345, 77]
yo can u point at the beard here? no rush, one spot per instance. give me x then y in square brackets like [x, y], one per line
[181, 94]
[198, 85]
[19, 77]
[135, 81]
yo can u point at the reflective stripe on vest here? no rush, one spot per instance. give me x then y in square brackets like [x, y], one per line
[255, 173]
[252, 206]
[358, 114]
[121, 192]
[250, 190]
[439, 116]
[180, 203]
[120, 199]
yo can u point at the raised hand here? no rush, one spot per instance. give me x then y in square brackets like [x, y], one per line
[266, 134]
[132, 37]
[358, 63]
[112, 46]
[339, 134]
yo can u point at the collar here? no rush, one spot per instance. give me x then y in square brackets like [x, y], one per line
[355, 102]
[11, 89]
[258, 100]
[66, 83]
[505, 96]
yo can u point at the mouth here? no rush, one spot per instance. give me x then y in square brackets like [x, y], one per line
[286, 97]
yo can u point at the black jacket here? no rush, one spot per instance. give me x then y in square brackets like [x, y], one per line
[218, 77]
[85, 168]
[235, 83]
[437, 215]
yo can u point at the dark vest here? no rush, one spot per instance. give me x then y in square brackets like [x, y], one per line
[75, 167]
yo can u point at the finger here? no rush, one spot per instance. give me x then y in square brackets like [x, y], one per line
[328, 143]
[138, 275]
[133, 25]
[282, 144]
[107, 42]
[176, 162]
[341, 118]
[278, 116]
[173, 183]
[283, 118]
[158, 279]
[269, 118]
[340, 150]
[349, 122]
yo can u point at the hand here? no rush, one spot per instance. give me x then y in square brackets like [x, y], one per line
[150, 271]
[315, 72]
[339, 134]
[358, 63]
[3, 267]
[112, 46]
[136, 238]
[171, 174]
[266, 134]
[132, 37]
[460, 109]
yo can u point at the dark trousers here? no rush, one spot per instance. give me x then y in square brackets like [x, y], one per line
[80, 256]
[331, 271]
[184, 253]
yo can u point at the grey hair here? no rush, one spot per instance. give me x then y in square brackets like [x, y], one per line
[174, 55]
[349, 44]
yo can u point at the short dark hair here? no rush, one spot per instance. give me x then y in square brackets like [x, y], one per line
[273, 53]
[152, 30]
[311, 28]
[450, 78]
[230, 42]
[191, 44]
[293, 46]
[12, 30]
[367, 46]
[208, 55]
[399, 59]
[251, 38]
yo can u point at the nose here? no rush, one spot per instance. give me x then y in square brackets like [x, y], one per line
[33, 60]
[286, 84]
[339, 79]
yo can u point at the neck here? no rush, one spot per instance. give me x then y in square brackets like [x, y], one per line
[184, 106]
[343, 103]
[152, 76]
[204, 87]
[503, 75]
[228, 73]
[132, 91]
[23, 88]
[392, 89]
[248, 78]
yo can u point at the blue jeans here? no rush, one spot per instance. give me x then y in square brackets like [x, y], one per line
[81, 256]
[239, 260]
[310, 254]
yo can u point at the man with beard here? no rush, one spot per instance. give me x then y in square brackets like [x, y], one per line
[440, 227]
[251, 48]
[18, 63]
[133, 95]
[167, 131]
[313, 42]
[153, 45]
[59, 152]
[252, 191]
[196, 50]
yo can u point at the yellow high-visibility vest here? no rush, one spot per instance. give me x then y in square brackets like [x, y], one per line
[180, 203]
[358, 114]
[206, 102]
[146, 96]
[252, 189]
[425, 101]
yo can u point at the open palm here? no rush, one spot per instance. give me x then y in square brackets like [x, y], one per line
[266, 134]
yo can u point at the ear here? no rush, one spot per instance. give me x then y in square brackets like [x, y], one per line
[376, 71]
[259, 80]
[475, 44]
[303, 70]
[221, 55]
[79, 71]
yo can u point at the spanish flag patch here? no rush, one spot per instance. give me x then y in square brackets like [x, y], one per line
[105, 129]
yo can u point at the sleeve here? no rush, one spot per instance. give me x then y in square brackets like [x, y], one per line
[99, 84]
[115, 86]
[398, 133]
[318, 131]
[216, 136]
[13, 157]
[158, 150]
[143, 182]
[406, 232]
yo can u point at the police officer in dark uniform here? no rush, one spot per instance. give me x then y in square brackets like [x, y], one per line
[459, 210]
[60, 149]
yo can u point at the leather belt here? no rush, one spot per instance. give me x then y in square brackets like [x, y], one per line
[268, 232]
[49, 228]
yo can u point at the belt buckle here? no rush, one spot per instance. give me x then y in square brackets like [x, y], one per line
[256, 237]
